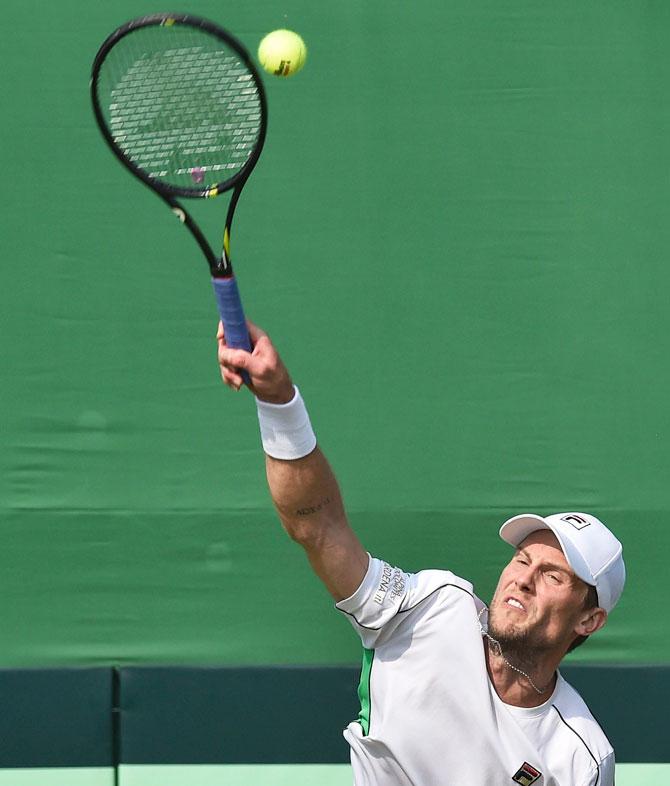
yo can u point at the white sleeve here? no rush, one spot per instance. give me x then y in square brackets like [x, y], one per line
[607, 771]
[384, 592]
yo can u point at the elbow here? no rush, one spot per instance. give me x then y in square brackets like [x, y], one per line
[312, 529]
[313, 525]
[307, 534]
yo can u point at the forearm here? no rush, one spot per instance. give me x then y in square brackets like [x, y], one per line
[307, 497]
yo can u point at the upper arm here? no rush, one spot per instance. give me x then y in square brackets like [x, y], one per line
[338, 559]
[308, 500]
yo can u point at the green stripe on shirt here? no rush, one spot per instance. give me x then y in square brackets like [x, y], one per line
[364, 690]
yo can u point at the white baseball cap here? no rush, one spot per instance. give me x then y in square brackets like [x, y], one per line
[592, 551]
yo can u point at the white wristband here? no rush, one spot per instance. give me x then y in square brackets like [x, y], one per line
[286, 432]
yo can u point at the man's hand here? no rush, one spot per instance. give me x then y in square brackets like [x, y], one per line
[270, 380]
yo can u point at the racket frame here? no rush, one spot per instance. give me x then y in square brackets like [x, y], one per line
[220, 266]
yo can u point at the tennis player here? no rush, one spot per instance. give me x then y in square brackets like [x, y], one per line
[452, 691]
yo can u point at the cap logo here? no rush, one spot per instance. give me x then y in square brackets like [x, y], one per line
[577, 521]
[526, 775]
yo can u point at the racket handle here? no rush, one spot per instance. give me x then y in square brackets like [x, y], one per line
[232, 315]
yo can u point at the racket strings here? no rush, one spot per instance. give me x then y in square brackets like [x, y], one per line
[180, 105]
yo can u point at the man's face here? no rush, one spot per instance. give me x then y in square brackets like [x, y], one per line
[538, 601]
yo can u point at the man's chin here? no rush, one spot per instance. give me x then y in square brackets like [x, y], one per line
[518, 641]
[510, 634]
[503, 625]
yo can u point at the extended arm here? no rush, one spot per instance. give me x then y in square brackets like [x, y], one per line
[304, 490]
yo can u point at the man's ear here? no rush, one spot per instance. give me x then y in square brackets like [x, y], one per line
[591, 621]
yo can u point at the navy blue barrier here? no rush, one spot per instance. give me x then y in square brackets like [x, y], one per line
[103, 717]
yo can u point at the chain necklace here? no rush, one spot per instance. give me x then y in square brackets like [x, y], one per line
[497, 650]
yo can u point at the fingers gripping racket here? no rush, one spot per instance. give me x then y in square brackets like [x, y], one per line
[182, 106]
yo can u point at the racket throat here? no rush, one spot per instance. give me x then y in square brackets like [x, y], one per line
[222, 268]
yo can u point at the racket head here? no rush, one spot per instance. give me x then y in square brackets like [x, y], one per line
[180, 103]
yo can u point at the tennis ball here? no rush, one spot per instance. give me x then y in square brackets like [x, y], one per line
[282, 53]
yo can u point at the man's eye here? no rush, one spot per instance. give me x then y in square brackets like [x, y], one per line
[554, 578]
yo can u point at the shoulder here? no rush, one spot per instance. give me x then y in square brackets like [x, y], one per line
[432, 581]
[389, 596]
[575, 716]
[384, 583]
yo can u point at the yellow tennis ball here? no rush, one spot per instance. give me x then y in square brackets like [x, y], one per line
[282, 53]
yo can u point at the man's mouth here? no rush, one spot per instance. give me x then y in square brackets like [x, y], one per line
[515, 604]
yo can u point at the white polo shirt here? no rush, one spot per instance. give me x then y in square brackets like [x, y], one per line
[430, 715]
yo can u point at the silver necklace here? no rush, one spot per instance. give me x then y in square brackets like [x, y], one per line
[497, 650]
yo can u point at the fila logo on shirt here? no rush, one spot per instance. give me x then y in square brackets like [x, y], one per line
[526, 775]
[577, 521]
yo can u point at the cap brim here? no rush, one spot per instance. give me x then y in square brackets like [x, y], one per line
[518, 528]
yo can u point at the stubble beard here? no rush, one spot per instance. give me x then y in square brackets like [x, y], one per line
[522, 645]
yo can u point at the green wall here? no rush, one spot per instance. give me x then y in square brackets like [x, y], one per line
[456, 234]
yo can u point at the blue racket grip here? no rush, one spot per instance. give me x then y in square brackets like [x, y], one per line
[232, 315]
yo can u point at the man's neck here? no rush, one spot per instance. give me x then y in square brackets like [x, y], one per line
[528, 689]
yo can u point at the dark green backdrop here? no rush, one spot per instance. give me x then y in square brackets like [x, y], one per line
[457, 235]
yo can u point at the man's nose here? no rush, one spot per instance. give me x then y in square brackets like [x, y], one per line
[525, 579]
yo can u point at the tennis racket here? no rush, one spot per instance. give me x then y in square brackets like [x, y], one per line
[182, 106]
